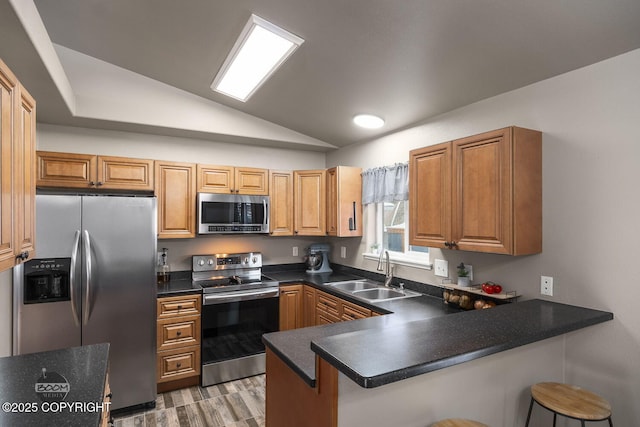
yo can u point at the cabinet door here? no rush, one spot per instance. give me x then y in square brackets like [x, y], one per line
[430, 196]
[124, 173]
[252, 181]
[215, 179]
[176, 192]
[309, 307]
[24, 175]
[310, 202]
[481, 201]
[8, 89]
[291, 307]
[66, 170]
[281, 196]
[344, 201]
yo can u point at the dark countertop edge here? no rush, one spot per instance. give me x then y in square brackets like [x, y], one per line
[311, 382]
[454, 359]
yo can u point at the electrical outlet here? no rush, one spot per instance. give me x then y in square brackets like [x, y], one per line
[295, 251]
[470, 270]
[546, 285]
[343, 251]
[442, 268]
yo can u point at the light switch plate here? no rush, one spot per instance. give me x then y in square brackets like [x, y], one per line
[441, 268]
[343, 251]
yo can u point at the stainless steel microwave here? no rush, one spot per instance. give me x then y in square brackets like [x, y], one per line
[232, 213]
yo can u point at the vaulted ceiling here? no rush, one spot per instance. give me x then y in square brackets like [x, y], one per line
[403, 60]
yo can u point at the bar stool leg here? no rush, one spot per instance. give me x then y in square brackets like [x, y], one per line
[582, 423]
[554, 419]
[529, 413]
[610, 422]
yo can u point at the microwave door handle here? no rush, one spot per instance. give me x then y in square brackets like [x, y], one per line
[87, 265]
[72, 278]
[265, 221]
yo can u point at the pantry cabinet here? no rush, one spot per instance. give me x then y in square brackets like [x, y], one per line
[229, 179]
[482, 193]
[17, 173]
[309, 199]
[176, 191]
[71, 170]
[281, 199]
[344, 201]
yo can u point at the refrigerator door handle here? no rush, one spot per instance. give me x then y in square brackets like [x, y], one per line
[88, 269]
[72, 278]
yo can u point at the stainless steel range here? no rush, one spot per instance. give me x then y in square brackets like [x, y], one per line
[239, 305]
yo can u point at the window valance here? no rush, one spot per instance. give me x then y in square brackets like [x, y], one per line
[385, 184]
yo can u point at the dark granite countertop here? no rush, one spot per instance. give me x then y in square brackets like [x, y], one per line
[423, 346]
[83, 368]
[416, 337]
[177, 287]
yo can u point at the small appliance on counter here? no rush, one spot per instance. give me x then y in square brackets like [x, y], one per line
[163, 274]
[318, 259]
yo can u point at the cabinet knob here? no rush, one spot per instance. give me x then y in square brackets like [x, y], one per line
[178, 364]
[91, 183]
[99, 183]
[109, 396]
[179, 333]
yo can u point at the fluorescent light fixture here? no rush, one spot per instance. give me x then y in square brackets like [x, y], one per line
[261, 48]
[368, 121]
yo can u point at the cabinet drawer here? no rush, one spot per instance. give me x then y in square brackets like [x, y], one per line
[178, 364]
[178, 332]
[327, 303]
[178, 306]
[352, 311]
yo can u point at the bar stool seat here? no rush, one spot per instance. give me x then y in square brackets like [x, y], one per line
[458, 422]
[570, 401]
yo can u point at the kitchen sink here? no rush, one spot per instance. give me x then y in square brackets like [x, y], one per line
[354, 285]
[371, 291]
[384, 294]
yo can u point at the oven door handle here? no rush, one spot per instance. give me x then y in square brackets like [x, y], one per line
[224, 297]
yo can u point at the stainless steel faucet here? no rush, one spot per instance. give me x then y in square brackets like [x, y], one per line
[389, 271]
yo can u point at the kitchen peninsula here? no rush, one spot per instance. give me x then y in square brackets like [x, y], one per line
[387, 370]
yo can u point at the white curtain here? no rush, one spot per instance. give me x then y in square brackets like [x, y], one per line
[385, 184]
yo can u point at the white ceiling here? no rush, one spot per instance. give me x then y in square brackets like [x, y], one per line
[405, 60]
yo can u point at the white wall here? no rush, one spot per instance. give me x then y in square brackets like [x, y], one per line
[591, 172]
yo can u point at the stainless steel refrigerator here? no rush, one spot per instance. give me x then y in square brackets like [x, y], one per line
[93, 281]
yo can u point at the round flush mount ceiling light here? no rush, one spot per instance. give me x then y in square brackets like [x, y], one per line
[368, 121]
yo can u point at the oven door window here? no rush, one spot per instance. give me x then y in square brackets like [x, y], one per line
[232, 330]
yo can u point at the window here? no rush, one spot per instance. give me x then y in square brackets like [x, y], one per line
[392, 234]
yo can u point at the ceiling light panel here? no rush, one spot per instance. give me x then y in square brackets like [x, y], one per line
[368, 121]
[261, 48]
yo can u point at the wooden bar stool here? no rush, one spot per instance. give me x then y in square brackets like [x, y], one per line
[570, 401]
[458, 422]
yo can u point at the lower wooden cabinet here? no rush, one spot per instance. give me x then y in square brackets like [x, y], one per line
[291, 308]
[178, 341]
[302, 306]
[106, 419]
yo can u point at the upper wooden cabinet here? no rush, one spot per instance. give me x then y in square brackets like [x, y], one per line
[17, 178]
[481, 193]
[228, 179]
[281, 203]
[69, 170]
[176, 192]
[309, 199]
[344, 201]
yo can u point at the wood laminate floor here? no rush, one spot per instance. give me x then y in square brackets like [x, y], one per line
[234, 404]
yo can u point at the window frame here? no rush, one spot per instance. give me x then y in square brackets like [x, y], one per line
[375, 235]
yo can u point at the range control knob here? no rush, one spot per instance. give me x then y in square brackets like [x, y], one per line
[246, 260]
[201, 262]
[254, 259]
[210, 262]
